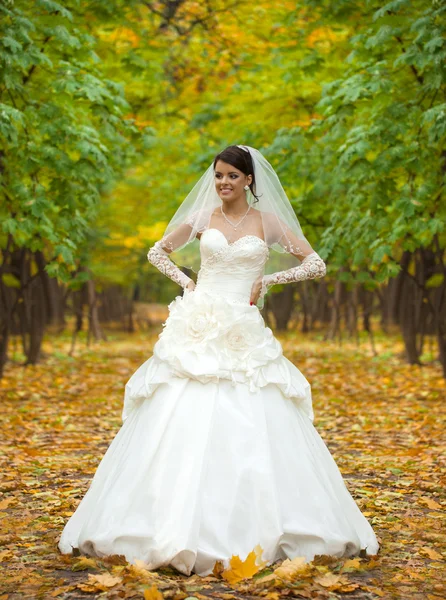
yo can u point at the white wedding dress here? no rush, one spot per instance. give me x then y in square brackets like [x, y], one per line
[217, 452]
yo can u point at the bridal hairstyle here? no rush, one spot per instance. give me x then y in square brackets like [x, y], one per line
[282, 234]
[241, 160]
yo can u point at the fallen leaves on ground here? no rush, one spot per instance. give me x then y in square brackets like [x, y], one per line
[382, 420]
[241, 569]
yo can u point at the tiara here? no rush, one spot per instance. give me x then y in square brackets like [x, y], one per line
[243, 148]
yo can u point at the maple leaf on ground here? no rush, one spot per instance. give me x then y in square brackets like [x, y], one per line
[351, 564]
[289, 569]
[218, 568]
[328, 580]
[259, 560]
[429, 502]
[324, 560]
[105, 579]
[153, 593]
[115, 559]
[6, 502]
[335, 582]
[99, 582]
[432, 553]
[244, 569]
[349, 587]
[5, 554]
[84, 563]
[57, 592]
[139, 569]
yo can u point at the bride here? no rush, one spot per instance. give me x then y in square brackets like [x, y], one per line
[217, 452]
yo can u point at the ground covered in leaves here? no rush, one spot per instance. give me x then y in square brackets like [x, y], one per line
[382, 420]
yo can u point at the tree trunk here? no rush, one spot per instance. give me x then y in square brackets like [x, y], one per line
[407, 322]
[77, 307]
[282, 306]
[5, 320]
[37, 321]
[335, 325]
[93, 322]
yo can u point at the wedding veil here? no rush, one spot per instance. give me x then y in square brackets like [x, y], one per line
[281, 230]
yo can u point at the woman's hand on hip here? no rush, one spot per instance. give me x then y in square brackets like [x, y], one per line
[255, 290]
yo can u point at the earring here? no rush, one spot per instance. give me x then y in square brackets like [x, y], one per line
[246, 187]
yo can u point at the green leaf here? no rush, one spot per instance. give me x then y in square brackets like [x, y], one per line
[11, 280]
[435, 281]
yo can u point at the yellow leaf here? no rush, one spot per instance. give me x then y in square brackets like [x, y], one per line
[266, 578]
[6, 502]
[31, 451]
[329, 580]
[429, 502]
[84, 563]
[414, 575]
[290, 568]
[153, 593]
[258, 552]
[241, 569]
[218, 568]
[59, 591]
[140, 569]
[105, 580]
[5, 554]
[352, 563]
[432, 553]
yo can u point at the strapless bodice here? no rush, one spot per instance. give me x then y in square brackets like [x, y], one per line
[229, 269]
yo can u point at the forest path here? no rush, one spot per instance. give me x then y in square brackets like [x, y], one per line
[382, 420]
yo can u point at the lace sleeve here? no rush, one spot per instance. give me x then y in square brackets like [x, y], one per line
[311, 267]
[159, 258]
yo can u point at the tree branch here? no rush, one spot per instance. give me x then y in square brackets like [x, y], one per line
[413, 68]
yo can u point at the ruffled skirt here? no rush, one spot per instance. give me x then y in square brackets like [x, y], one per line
[217, 454]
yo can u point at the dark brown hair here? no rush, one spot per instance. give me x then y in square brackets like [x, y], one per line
[241, 160]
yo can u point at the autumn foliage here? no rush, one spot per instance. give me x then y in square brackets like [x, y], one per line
[382, 420]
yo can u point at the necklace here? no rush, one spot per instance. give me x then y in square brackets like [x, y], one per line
[241, 220]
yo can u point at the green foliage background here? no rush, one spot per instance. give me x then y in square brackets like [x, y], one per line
[111, 110]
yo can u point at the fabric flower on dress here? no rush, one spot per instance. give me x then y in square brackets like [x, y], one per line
[194, 322]
[242, 340]
[236, 339]
[201, 325]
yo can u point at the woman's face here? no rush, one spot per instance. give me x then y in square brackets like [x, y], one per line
[229, 181]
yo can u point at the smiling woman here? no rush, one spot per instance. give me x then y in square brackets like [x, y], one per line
[217, 455]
